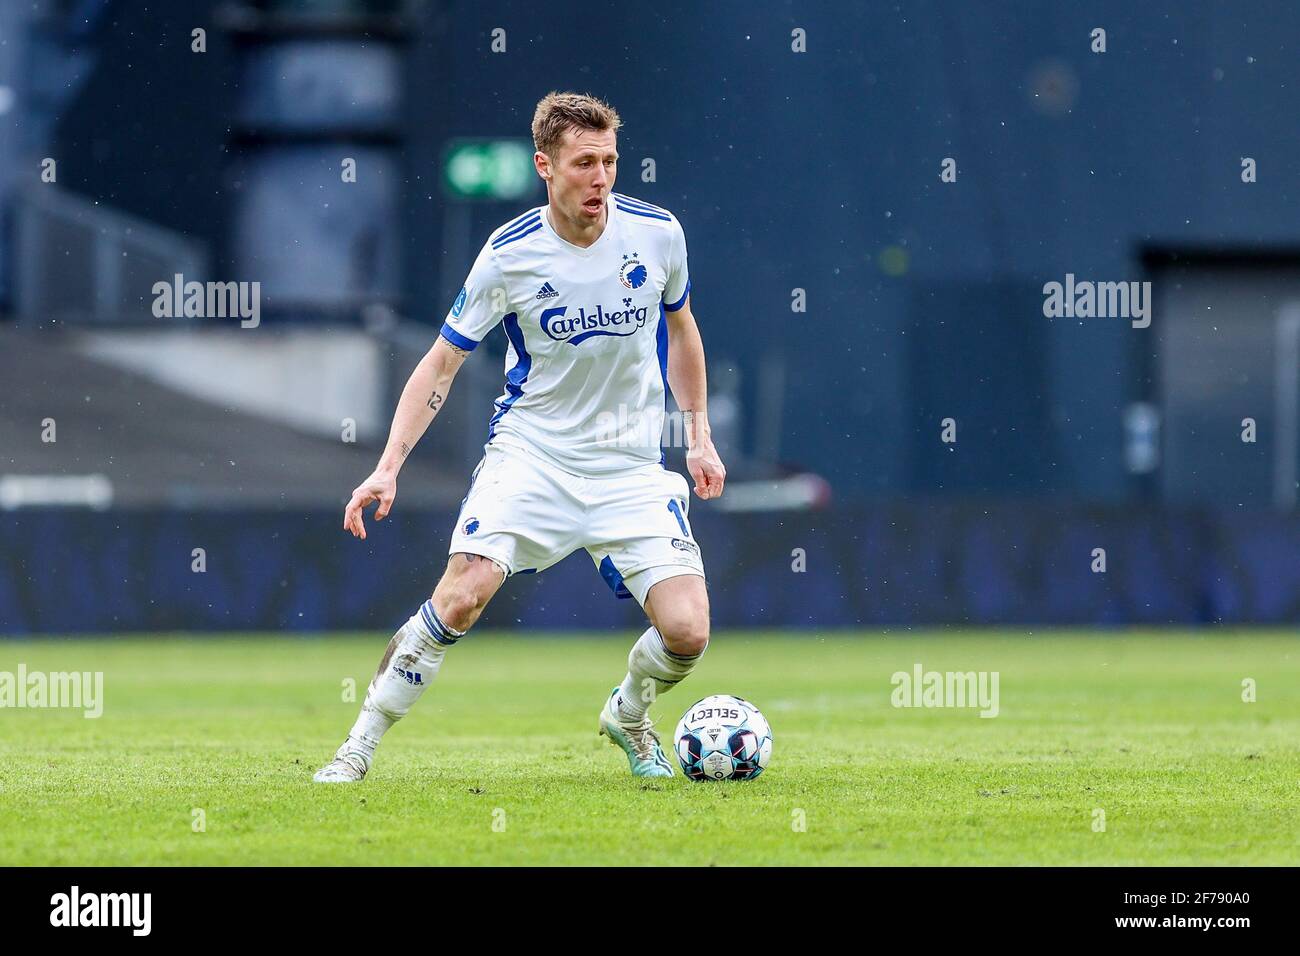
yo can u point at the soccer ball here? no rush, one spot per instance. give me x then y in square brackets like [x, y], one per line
[723, 738]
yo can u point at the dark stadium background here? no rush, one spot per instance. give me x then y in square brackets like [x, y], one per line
[816, 171]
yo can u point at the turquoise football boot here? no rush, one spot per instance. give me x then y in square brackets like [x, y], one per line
[638, 740]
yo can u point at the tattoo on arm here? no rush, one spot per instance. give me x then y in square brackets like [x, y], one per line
[457, 349]
[435, 402]
[688, 417]
[406, 449]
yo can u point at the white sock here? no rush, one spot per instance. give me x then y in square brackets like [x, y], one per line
[410, 664]
[652, 669]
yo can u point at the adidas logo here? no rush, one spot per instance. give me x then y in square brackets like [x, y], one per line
[546, 292]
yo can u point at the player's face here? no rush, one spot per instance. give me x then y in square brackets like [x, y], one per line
[582, 174]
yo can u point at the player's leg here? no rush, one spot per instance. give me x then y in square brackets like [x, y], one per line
[413, 659]
[665, 655]
[518, 516]
[648, 553]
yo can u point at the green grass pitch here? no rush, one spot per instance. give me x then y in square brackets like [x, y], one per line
[500, 763]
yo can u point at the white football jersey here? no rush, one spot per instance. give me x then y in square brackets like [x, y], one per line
[587, 363]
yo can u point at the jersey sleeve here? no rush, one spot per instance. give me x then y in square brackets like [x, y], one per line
[679, 277]
[479, 306]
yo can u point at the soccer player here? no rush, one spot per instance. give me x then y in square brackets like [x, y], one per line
[594, 294]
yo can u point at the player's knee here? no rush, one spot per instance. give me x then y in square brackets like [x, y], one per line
[464, 591]
[459, 604]
[687, 635]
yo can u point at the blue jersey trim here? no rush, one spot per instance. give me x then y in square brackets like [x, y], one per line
[517, 376]
[505, 237]
[502, 243]
[661, 348]
[513, 230]
[682, 301]
[618, 204]
[639, 202]
[456, 339]
[506, 228]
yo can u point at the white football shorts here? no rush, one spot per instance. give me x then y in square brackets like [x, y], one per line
[526, 514]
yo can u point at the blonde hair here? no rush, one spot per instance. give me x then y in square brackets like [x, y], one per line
[558, 112]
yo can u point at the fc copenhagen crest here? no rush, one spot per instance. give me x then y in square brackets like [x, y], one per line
[633, 273]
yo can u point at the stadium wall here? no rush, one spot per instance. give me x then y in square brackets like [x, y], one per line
[817, 171]
[899, 565]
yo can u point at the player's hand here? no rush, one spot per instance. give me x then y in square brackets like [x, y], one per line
[380, 487]
[705, 467]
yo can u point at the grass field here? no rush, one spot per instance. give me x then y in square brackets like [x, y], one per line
[1149, 728]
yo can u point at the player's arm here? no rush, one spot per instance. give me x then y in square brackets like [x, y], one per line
[476, 311]
[422, 398]
[689, 382]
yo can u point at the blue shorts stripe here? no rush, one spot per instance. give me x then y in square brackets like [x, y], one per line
[613, 578]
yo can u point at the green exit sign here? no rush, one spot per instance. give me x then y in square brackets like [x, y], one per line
[489, 169]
